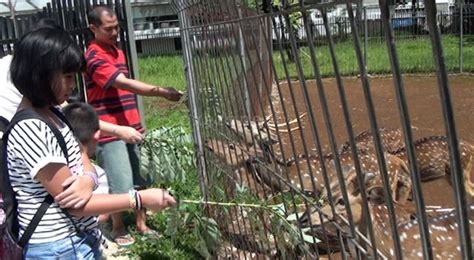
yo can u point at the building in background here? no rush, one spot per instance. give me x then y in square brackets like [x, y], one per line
[156, 27]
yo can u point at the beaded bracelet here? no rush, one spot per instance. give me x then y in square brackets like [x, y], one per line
[138, 199]
[133, 198]
[94, 177]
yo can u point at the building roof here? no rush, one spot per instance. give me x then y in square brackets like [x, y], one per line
[22, 6]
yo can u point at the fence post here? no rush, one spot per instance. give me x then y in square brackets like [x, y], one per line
[366, 40]
[193, 98]
[133, 54]
[461, 33]
[11, 7]
[246, 95]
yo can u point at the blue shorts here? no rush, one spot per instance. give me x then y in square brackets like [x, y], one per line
[75, 247]
[121, 163]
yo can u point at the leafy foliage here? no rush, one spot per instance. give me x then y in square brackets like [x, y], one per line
[168, 159]
[167, 154]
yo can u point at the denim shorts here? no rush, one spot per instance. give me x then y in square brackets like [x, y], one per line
[76, 247]
[121, 163]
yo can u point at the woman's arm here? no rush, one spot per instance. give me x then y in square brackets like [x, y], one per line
[54, 174]
[152, 199]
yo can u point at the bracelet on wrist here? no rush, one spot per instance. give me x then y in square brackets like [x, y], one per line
[135, 199]
[132, 195]
[138, 198]
[94, 177]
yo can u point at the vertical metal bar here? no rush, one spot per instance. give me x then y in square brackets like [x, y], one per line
[325, 108]
[366, 40]
[132, 48]
[190, 75]
[374, 128]
[406, 125]
[450, 124]
[348, 121]
[461, 34]
[242, 52]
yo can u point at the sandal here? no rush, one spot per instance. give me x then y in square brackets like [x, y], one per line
[124, 240]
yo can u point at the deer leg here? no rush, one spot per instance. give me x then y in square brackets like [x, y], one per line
[468, 172]
[403, 184]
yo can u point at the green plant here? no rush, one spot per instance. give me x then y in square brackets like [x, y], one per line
[167, 155]
[187, 233]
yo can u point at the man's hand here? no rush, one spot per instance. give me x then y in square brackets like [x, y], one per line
[78, 191]
[128, 134]
[172, 94]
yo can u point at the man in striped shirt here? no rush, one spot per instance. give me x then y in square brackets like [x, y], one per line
[113, 95]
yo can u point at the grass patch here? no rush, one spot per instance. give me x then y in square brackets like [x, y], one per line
[415, 56]
[165, 71]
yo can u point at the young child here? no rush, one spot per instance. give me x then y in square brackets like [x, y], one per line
[43, 69]
[85, 125]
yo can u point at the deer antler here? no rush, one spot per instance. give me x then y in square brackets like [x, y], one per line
[275, 125]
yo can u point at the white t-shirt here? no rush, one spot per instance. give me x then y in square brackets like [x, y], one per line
[31, 146]
[10, 97]
[103, 187]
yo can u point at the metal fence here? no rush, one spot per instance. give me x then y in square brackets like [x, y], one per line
[456, 25]
[305, 168]
[72, 16]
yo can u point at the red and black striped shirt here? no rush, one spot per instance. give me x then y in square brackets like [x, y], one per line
[112, 104]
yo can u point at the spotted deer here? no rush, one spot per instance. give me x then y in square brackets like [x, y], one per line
[442, 228]
[433, 160]
[391, 139]
[443, 233]
[399, 183]
[305, 172]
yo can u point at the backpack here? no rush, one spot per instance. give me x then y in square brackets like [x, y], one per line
[12, 246]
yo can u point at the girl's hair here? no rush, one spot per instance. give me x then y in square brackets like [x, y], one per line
[39, 56]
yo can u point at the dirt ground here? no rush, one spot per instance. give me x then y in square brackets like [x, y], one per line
[425, 109]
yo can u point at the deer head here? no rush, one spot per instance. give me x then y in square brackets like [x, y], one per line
[397, 170]
[399, 184]
[229, 153]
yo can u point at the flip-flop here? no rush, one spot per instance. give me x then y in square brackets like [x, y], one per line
[124, 240]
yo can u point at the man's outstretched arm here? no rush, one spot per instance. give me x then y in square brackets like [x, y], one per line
[144, 89]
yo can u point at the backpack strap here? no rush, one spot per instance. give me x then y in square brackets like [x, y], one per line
[3, 124]
[5, 178]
